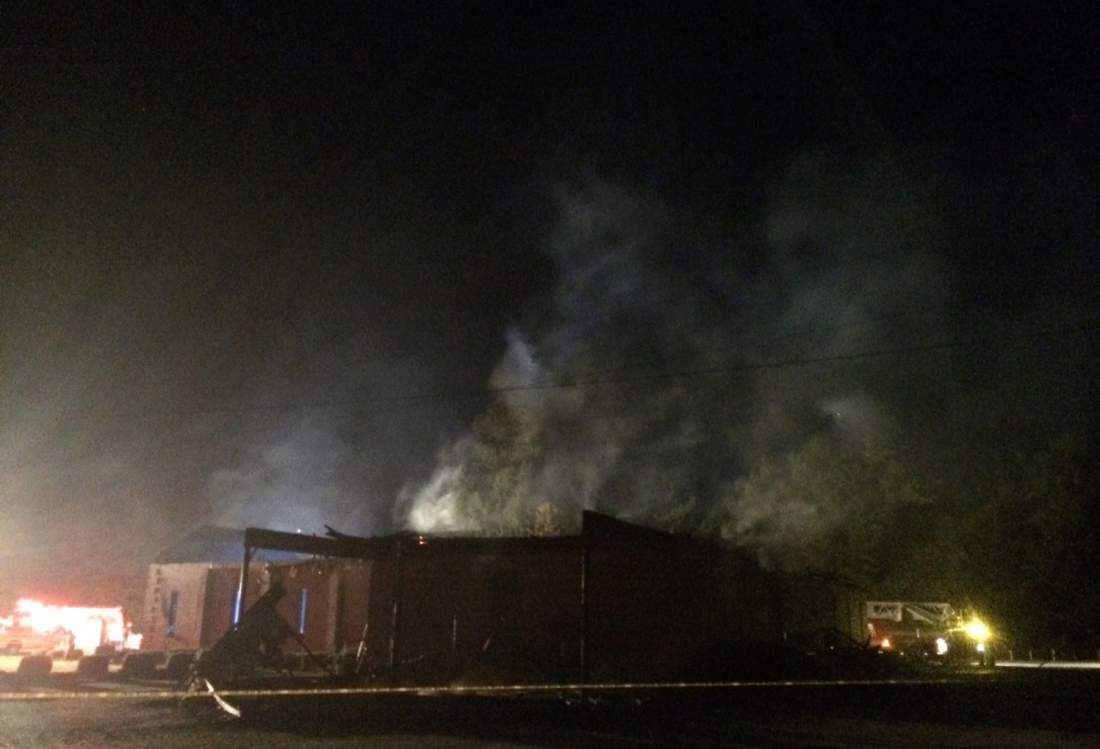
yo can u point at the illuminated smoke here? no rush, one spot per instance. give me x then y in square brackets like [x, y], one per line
[842, 261]
[435, 505]
[291, 482]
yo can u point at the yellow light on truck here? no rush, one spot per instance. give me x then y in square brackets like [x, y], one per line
[977, 630]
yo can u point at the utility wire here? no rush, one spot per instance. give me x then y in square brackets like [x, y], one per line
[757, 341]
[582, 383]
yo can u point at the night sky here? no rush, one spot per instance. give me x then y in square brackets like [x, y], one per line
[267, 265]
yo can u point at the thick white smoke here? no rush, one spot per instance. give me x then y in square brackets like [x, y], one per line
[435, 505]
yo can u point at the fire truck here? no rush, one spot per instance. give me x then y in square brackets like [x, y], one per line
[40, 628]
[926, 630]
[17, 639]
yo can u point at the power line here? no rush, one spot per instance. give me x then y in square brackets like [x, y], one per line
[581, 384]
[794, 334]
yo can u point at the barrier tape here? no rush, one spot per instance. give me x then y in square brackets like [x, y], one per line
[504, 689]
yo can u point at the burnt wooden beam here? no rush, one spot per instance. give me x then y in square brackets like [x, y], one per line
[351, 547]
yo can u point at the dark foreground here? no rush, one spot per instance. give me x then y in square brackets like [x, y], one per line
[1001, 710]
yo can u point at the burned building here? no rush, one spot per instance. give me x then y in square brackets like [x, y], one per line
[191, 589]
[617, 602]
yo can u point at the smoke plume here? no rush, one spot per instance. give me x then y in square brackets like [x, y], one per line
[693, 383]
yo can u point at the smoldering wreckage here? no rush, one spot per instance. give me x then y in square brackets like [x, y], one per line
[616, 604]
